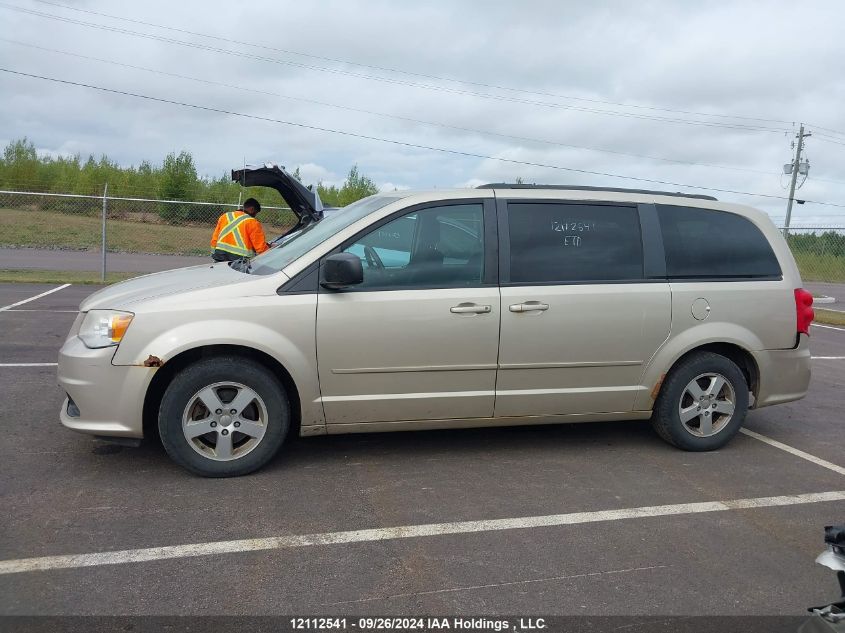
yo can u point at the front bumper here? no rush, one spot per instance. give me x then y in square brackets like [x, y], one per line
[784, 373]
[110, 398]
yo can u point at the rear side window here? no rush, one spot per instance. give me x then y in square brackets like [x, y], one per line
[702, 243]
[574, 243]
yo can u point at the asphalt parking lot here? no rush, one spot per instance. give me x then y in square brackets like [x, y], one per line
[709, 549]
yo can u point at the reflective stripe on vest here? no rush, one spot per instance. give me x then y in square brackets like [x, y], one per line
[232, 228]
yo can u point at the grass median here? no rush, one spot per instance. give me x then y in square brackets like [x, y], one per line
[829, 317]
[27, 276]
[47, 229]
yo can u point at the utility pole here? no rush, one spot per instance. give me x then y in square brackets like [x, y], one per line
[795, 167]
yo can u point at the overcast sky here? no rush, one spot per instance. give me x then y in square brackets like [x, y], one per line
[575, 72]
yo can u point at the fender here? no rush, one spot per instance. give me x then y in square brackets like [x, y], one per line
[681, 343]
[285, 333]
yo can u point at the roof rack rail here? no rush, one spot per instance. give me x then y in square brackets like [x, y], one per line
[676, 194]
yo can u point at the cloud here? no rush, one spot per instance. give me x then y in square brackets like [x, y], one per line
[311, 173]
[492, 80]
[390, 186]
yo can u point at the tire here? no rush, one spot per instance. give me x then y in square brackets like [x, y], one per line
[699, 419]
[198, 430]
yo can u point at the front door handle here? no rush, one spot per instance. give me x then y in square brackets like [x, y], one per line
[470, 308]
[529, 306]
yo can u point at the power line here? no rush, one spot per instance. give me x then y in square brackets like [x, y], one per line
[408, 72]
[403, 143]
[829, 139]
[230, 52]
[826, 129]
[837, 182]
[385, 114]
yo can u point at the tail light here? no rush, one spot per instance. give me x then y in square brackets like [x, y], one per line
[803, 310]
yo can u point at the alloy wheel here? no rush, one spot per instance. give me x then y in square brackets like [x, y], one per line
[224, 421]
[707, 404]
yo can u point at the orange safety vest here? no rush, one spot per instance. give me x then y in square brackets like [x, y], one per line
[232, 237]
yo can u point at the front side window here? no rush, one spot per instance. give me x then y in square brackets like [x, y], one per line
[703, 243]
[555, 242]
[301, 242]
[440, 247]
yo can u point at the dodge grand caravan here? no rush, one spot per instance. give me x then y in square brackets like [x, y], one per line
[501, 305]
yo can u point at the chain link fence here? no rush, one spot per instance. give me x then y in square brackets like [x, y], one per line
[112, 224]
[70, 222]
[819, 251]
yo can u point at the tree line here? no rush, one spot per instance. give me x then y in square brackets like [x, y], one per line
[176, 178]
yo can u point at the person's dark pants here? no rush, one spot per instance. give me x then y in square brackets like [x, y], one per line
[223, 256]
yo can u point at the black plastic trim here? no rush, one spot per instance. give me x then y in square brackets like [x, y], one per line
[303, 283]
[504, 240]
[491, 244]
[582, 282]
[72, 408]
[654, 256]
[695, 280]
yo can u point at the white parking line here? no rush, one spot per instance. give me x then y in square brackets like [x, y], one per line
[794, 451]
[74, 561]
[40, 310]
[828, 327]
[828, 357]
[43, 294]
[28, 364]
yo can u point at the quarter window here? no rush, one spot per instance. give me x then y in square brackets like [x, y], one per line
[439, 247]
[703, 243]
[574, 243]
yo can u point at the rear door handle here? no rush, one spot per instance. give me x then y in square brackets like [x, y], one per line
[529, 306]
[470, 308]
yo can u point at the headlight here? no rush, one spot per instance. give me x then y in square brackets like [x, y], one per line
[104, 328]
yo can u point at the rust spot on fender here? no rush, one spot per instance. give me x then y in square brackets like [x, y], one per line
[656, 389]
[153, 361]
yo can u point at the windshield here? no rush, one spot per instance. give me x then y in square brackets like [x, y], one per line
[298, 244]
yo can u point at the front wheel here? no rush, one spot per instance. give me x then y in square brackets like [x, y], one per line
[223, 417]
[702, 403]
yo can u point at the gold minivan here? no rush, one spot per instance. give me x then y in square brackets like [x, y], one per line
[501, 305]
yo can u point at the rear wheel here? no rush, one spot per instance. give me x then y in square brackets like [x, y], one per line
[223, 416]
[702, 403]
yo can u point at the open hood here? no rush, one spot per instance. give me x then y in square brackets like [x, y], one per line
[306, 204]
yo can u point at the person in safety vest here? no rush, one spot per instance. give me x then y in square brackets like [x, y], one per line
[238, 234]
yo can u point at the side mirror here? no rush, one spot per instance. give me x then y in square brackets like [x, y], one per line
[341, 270]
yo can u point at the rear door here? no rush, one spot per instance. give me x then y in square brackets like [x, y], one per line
[418, 339]
[582, 309]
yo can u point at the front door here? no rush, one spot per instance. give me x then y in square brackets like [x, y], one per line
[579, 317]
[418, 339]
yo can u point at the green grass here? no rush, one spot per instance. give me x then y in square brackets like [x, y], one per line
[829, 317]
[815, 267]
[27, 276]
[47, 229]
